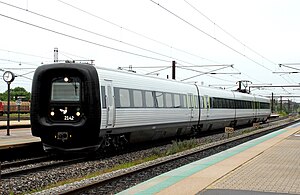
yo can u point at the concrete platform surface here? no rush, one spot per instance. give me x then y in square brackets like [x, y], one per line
[15, 123]
[269, 164]
[17, 137]
[277, 169]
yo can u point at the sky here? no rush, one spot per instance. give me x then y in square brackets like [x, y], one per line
[234, 40]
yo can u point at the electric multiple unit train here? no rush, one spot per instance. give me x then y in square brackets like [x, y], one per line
[80, 107]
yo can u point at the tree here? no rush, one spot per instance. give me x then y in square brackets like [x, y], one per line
[15, 93]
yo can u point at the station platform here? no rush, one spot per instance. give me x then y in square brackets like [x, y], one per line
[266, 165]
[18, 137]
[14, 123]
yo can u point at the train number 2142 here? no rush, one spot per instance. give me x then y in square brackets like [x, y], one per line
[69, 118]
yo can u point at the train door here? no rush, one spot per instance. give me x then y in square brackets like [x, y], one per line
[110, 104]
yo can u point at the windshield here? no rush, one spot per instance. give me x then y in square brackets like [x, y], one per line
[65, 89]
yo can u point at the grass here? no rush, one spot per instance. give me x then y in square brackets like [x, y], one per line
[181, 146]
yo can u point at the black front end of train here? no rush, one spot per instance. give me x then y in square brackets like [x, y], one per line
[65, 107]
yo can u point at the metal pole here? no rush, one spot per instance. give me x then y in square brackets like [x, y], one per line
[272, 103]
[173, 69]
[280, 103]
[19, 113]
[55, 55]
[8, 107]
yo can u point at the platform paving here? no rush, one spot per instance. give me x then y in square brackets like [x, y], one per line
[277, 170]
[17, 137]
[218, 174]
[15, 123]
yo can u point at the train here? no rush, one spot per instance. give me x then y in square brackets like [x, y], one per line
[80, 107]
[24, 107]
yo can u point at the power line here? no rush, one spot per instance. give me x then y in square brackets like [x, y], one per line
[83, 40]
[18, 62]
[82, 29]
[229, 33]
[26, 54]
[207, 34]
[272, 62]
[203, 73]
[66, 54]
[18, 75]
[136, 33]
[94, 33]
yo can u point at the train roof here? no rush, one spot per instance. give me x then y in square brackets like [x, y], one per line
[203, 89]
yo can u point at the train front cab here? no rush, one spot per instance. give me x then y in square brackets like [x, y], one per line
[65, 107]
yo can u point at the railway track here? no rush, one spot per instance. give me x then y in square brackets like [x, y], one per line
[121, 180]
[18, 163]
[33, 165]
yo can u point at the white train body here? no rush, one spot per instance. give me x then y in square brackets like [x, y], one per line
[138, 108]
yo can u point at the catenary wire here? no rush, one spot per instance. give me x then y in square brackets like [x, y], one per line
[26, 54]
[94, 33]
[83, 40]
[207, 34]
[229, 34]
[136, 33]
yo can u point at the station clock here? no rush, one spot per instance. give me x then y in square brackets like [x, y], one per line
[8, 76]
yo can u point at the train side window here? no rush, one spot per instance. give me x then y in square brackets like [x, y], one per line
[176, 101]
[124, 98]
[137, 98]
[265, 105]
[103, 95]
[191, 101]
[201, 102]
[149, 99]
[109, 96]
[183, 101]
[208, 102]
[169, 102]
[237, 106]
[231, 104]
[159, 96]
[215, 103]
[244, 104]
[258, 105]
[204, 102]
[196, 101]
[226, 103]
[248, 104]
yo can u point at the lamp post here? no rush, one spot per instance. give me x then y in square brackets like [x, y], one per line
[8, 77]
